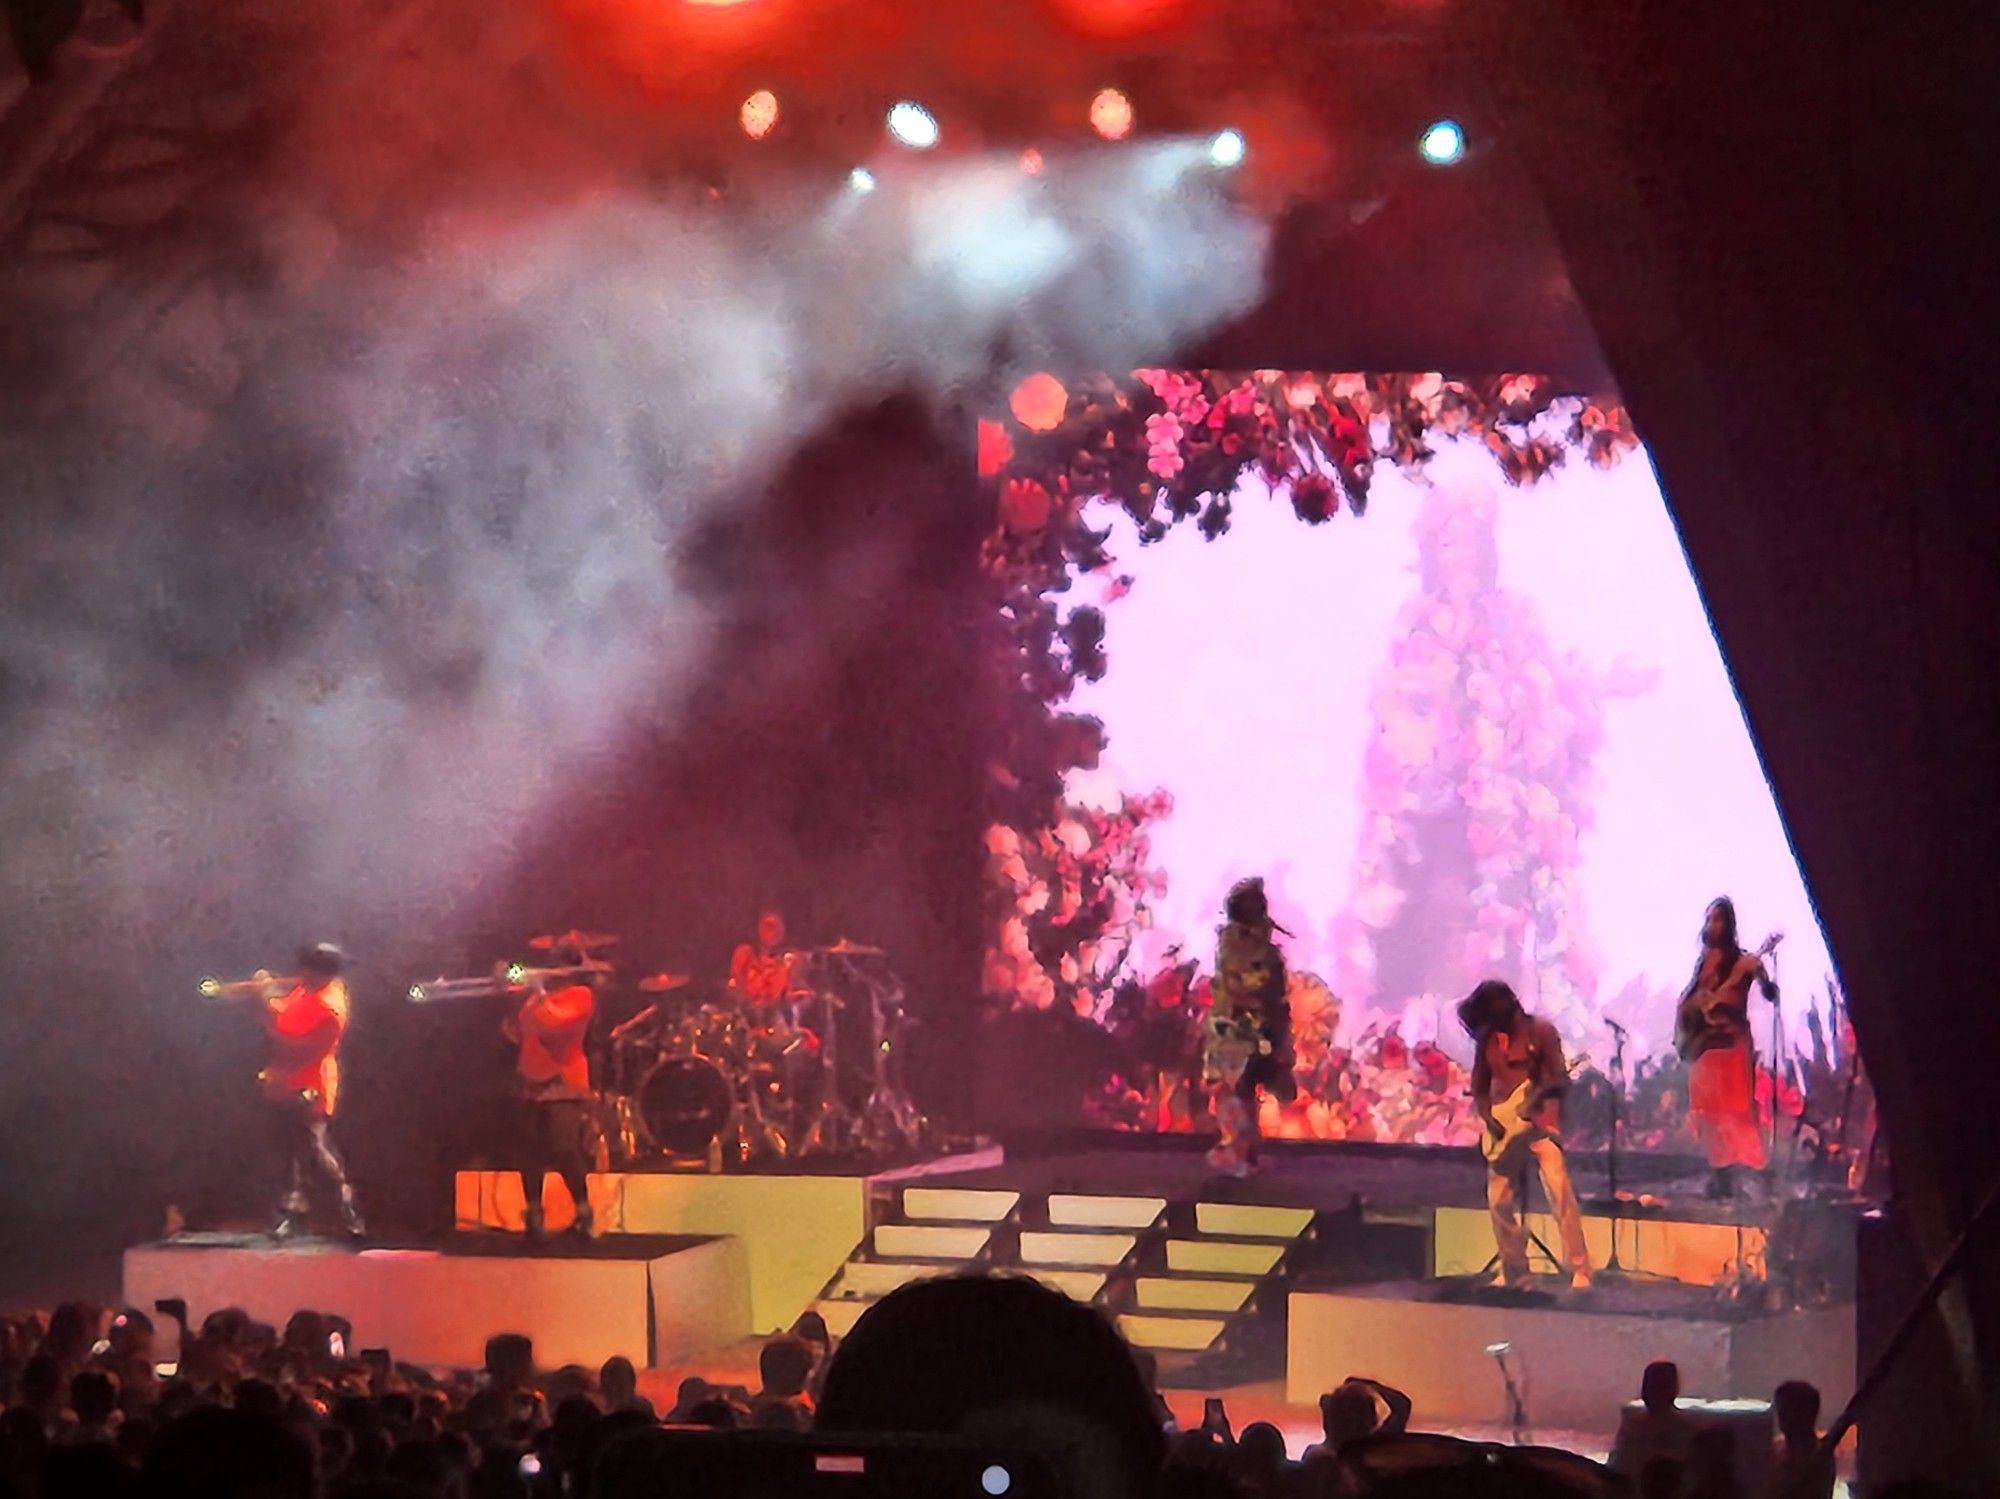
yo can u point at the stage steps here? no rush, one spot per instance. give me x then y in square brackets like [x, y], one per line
[1084, 1245]
[1180, 1277]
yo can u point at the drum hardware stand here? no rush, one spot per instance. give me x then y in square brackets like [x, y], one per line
[890, 1120]
[832, 1128]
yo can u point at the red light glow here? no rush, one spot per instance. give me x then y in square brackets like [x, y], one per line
[1031, 162]
[1111, 115]
[1121, 17]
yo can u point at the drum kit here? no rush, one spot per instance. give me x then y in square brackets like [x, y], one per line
[732, 1082]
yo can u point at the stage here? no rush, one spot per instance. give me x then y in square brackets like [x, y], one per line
[649, 1297]
[1335, 1260]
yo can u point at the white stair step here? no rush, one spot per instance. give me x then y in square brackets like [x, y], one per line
[1242, 1220]
[880, 1277]
[1073, 1210]
[1222, 1256]
[1185, 1334]
[1074, 1248]
[841, 1315]
[958, 1204]
[1079, 1285]
[1164, 1293]
[929, 1241]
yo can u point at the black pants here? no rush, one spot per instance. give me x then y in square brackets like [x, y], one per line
[305, 1143]
[560, 1138]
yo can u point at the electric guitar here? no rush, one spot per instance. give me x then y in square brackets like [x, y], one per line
[1702, 1011]
[1519, 1128]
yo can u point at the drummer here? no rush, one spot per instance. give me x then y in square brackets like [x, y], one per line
[761, 972]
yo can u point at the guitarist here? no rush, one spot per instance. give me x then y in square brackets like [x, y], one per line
[1713, 1035]
[1518, 1079]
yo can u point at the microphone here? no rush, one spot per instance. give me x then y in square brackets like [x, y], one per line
[1499, 1350]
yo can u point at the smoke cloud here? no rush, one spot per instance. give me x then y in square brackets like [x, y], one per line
[310, 635]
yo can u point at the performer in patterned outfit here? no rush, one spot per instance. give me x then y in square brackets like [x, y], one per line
[1248, 1039]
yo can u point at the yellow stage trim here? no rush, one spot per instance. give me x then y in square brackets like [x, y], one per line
[1701, 1254]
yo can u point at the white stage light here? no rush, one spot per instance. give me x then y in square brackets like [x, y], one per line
[914, 126]
[1442, 144]
[861, 180]
[1227, 149]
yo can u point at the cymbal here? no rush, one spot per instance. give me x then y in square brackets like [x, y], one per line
[662, 983]
[844, 948]
[582, 940]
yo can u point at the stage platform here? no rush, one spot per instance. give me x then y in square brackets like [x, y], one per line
[1577, 1355]
[652, 1298]
[796, 1228]
[1332, 1261]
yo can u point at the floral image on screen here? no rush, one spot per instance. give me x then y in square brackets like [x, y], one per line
[1424, 654]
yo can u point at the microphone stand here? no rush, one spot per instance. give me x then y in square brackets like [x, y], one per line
[1611, 1156]
[1517, 1408]
[1777, 1039]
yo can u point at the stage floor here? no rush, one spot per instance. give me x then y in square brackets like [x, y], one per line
[1391, 1180]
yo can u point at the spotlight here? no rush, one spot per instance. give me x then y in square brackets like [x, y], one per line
[1031, 162]
[914, 126]
[1227, 149]
[1111, 114]
[861, 180]
[759, 114]
[1442, 144]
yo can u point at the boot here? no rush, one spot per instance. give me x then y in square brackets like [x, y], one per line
[584, 1221]
[531, 1220]
[350, 1215]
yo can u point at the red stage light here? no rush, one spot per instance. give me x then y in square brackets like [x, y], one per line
[1039, 403]
[759, 114]
[1111, 115]
[1120, 17]
[1031, 162]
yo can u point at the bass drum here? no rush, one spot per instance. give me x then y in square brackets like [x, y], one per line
[685, 1104]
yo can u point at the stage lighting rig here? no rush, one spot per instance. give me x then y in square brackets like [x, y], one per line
[1111, 114]
[759, 114]
[1442, 143]
[910, 124]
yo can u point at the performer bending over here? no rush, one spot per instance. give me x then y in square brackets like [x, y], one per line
[1713, 1032]
[1248, 1044]
[553, 1070]
[301, 1078]
[1518, 1079]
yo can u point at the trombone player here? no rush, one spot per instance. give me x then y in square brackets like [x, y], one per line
[305, 1018]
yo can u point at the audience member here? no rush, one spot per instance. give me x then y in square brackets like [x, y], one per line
[1798, 1469]
[785, 1366]
[1258, 1464]
[1658, 1428]
[1009, 1360]
[618, 1384]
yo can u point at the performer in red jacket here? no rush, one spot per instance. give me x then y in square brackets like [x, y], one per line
[553, 1071]
[301, 1078]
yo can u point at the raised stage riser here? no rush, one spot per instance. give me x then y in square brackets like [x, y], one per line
[434, 1308]
[1700, 1254]
[796, 1231]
